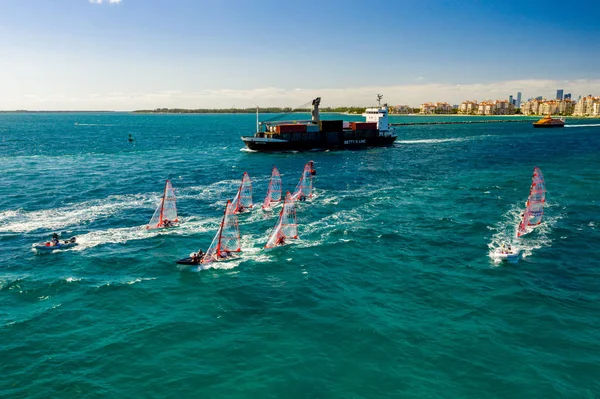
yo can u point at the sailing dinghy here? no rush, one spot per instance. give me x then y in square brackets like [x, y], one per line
[286, 227]
[304, 187]
[534, 211]
[243, 198]
[166, 212]
[225, 243]
[274, 191]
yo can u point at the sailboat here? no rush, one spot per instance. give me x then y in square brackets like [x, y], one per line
[286, 227]
[243, 198]
[226, 241]
[274, 191]
[304, 187]
[166, 212]
[534, 211]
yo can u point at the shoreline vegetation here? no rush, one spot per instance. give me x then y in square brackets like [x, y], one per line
[266, 110]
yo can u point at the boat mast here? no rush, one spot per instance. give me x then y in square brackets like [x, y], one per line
[162, 204]
[257, 124]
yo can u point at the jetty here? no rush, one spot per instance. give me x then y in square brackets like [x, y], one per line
[459, 122]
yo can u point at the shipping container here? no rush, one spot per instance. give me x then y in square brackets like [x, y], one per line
[346, 125]
[291, 128]
[312, 128]
[363, 125]
[332, 126]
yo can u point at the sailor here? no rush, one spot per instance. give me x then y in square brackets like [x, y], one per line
[200, 255]
[54, 239]
[281, 240]
[195, 258]
[167, 223]
[241, 208]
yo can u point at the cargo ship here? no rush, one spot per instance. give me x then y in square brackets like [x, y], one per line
[549, 121]
[316, 134]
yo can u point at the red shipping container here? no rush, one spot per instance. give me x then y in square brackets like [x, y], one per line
[291, 128]
[363, 125]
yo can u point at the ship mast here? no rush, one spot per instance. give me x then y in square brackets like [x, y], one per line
[257, 124]
[379, 97]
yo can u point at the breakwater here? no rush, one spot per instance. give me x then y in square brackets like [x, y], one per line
[459, 122]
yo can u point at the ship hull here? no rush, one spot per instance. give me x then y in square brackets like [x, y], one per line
[548, 125]
[323, 142]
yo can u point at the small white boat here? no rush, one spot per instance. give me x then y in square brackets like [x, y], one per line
[507, 254]
[49, 246]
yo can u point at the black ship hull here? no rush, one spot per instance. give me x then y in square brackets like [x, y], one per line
[320, 141]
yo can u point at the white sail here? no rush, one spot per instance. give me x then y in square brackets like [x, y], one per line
[166, 212]
[227, 239]
[534, 212]
[274, 191]
[243, 198]
[286, 227]
[304, 187]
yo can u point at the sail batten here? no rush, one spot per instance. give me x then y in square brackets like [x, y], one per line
[286, 227]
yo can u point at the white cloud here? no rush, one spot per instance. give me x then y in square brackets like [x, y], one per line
[413, 94]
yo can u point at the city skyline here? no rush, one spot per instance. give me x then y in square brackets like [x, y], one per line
[133, 54]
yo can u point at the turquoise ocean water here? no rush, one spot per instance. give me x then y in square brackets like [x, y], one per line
[389, 293]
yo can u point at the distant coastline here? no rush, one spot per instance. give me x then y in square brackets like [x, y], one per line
[266, 110]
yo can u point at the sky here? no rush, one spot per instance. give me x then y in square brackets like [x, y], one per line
[145, 54]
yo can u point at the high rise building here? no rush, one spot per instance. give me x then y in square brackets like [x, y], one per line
[567, 96]
[510, 99]
[518, 104]
[539, 98]
[559, 94]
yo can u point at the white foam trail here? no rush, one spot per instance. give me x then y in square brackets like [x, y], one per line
[125, 234]
[430, 141]
[71, 215]
[588, 125]
[506, 232]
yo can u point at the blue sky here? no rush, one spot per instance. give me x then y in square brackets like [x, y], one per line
[131, 54]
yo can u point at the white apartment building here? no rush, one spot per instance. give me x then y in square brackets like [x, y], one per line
[436, 108]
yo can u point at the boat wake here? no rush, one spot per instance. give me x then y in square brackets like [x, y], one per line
[446, 140]
[72, 215]
[587, 125]
[123, 235]
[506, 233]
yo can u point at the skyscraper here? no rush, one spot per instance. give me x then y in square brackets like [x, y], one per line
[559, 94]
[518, 104]
[510, 99]
[567, 96]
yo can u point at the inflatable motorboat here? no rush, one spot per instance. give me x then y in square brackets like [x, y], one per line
[507, 254]
[50, 246]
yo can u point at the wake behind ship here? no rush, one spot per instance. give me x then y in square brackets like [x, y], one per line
[317, 134]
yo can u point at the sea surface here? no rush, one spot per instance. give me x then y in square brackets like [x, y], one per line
[390, 291]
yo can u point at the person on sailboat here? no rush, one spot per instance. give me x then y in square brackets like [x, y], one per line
[241, 208]
[280, 241]
[54, 239]
[167, 223]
